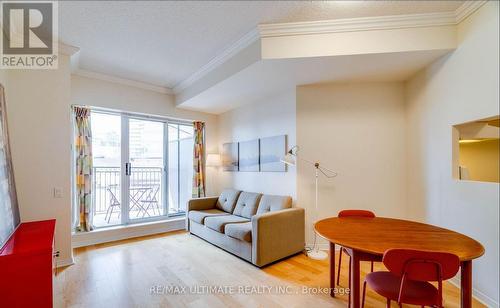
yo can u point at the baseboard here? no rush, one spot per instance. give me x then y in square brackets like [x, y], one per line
[478, 295]
[323, 246]
[125, 232]
[65, 262]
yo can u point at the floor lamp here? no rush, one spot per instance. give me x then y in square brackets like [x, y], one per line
[213, 161]
[290, 159]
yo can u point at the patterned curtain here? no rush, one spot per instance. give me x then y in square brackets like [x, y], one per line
[199, 160]
[83, 170]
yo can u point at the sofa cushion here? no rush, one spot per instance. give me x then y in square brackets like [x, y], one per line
[199, 216]
[227, 200]
[240, 231]
[247, 204]
[218, 223]
[270, 203]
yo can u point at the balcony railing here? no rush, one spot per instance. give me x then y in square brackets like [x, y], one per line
[145, 198]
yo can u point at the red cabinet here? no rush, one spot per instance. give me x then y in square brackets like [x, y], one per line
[27, 267]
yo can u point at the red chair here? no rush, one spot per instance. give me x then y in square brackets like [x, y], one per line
[410, 271]
[363, 257]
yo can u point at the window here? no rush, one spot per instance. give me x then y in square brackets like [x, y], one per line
[106, 173]
[180, 166]
[142, 168]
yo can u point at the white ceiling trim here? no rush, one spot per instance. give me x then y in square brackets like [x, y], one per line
[127, 82]
[67, 49]
[338, 25]
[466, 9]
[222, 57]
[371, 23]
[357, 24]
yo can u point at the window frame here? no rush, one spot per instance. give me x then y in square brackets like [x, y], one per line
[125, 117]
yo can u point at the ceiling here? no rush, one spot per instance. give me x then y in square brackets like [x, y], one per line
[264, 79]
[163, 43]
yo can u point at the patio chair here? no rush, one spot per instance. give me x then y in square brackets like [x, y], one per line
[151, 201]
[113, 202]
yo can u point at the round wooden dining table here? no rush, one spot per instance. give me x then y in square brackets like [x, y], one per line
[376, 235]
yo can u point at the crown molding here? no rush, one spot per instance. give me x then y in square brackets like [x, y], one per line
[467, 8]
[222, 57]
[68, 50]
[372, 23]
[123, 81]
[358, 24]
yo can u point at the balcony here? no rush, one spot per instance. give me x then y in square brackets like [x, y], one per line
[145, 195]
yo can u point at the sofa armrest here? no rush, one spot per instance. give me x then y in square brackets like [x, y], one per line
[202, 203]
[277, 234]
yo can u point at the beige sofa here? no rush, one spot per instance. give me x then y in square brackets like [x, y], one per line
[258, 228]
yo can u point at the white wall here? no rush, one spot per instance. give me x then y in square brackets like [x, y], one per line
[358, 130]
[99, 93]
[458, 88]
[39, 127]
[271, 117]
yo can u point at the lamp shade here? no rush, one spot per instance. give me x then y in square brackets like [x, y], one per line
[289, 159]
[213, 160]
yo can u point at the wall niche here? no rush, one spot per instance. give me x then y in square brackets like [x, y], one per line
[476, 150]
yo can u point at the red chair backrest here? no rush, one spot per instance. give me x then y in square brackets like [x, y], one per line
[421, 265]
[356, 213]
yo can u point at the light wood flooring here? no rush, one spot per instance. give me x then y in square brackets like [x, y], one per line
[124, 273]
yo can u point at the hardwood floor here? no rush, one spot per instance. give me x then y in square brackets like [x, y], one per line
[128, 274]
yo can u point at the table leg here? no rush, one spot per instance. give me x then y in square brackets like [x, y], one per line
[466, 284]
[332, 269]
[354, 287]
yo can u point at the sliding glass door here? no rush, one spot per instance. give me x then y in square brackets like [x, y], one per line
[180, 166]
[142, 168]
[106, 173]
[146, 169]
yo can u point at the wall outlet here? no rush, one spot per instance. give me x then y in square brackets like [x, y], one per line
[58, 192]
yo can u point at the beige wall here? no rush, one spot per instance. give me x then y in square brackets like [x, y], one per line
[272, 117]
[3, 77]
[39, 126]
[358, 130]
[458, 88]
[99, 93]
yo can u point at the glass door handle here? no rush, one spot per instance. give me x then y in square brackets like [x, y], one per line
[128, 169]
